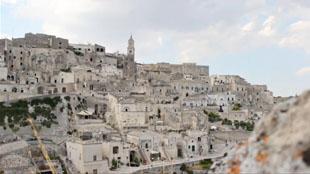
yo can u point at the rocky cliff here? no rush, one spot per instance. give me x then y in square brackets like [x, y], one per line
[280, 143]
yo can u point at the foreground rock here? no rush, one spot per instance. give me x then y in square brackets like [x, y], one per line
[280, 143]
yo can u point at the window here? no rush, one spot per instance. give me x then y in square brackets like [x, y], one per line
[193, 148]
[94, 158]
[95, 171]
[115, 150]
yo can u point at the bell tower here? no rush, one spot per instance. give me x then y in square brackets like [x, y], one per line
[129, 70]
[131, 47]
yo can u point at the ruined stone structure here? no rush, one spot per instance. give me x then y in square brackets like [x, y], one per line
[40, 41]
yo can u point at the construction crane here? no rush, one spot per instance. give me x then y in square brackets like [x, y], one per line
[42, 147]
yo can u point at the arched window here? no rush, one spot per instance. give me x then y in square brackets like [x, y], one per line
[126, 109]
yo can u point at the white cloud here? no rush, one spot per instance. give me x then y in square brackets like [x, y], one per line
[298, 36]
[249, 26]
[198, 29]
[303, 71]
[268, 26]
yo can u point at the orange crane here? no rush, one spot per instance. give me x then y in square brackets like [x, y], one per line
[41, 145]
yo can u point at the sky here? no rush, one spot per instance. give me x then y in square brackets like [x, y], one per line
[264, 41]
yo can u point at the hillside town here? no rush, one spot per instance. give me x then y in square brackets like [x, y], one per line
[77, 108]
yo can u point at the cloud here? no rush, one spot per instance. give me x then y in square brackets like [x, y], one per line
[303, 71]
[197, 29]
[249, 26]
[298, 36]
[268, 26]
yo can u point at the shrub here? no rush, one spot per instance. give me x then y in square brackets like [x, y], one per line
[52, 102]
[114, 164]
[237, 107]
[206, 164]
[236, 123]
[249, 126]
[213, 117]
[183, 167]
[226, 122]
[67, 98]
[46, 123]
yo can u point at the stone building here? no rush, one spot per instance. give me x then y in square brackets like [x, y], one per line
[40, 41]
[3, 69]
[130, 111]
[87, 156]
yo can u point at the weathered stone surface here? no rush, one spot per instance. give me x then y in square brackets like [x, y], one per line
[279, 144]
